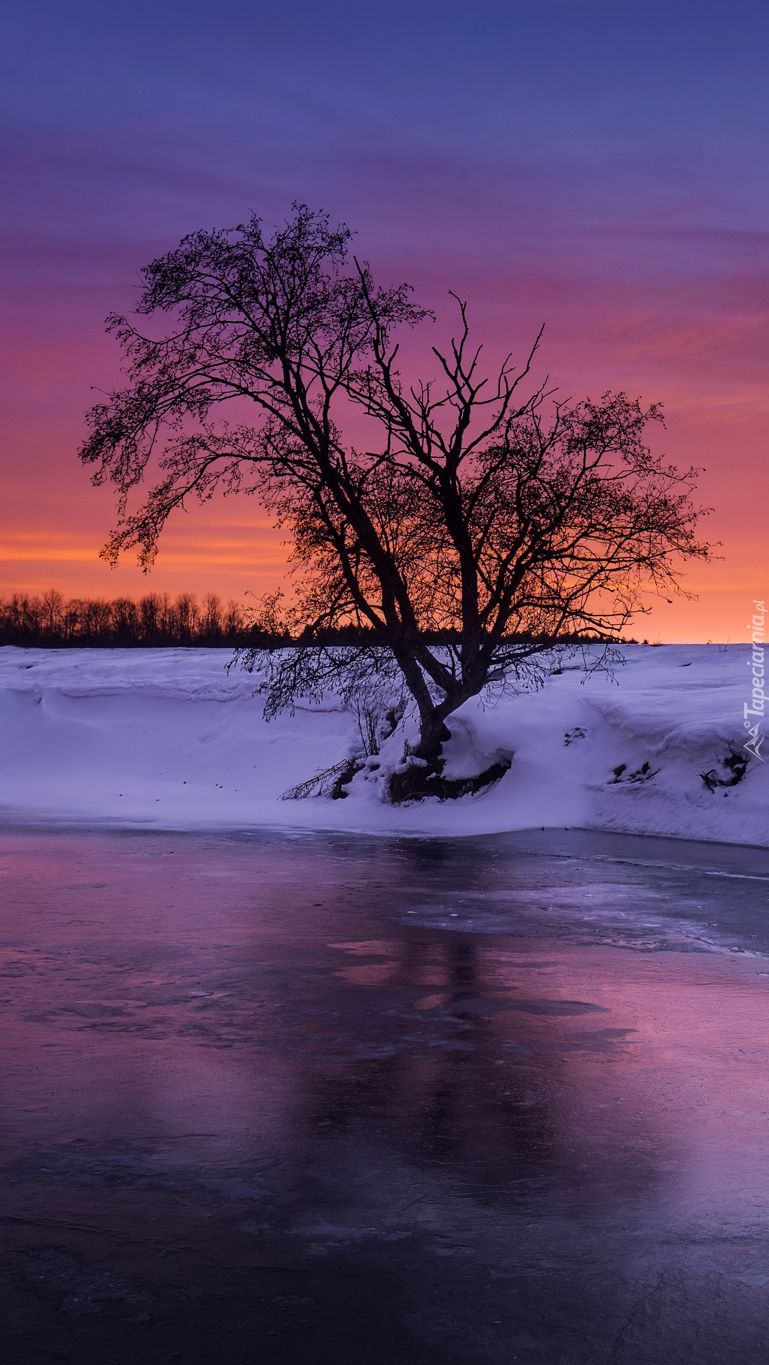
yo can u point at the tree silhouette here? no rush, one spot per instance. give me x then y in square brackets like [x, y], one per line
[481, 530]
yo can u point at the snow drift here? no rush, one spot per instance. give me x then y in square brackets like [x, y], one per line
[167, 738]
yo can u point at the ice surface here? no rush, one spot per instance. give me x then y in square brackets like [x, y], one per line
[168, 738]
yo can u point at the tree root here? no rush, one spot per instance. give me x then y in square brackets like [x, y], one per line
[420, 780]
[329, 782]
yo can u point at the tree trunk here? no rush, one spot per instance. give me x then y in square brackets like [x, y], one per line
[433, 733]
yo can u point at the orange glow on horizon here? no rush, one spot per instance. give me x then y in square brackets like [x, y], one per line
[53, 523]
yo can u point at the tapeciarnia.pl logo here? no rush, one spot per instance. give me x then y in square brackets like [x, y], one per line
[756, 706]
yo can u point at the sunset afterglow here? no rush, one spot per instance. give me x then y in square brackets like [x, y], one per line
[596, 168]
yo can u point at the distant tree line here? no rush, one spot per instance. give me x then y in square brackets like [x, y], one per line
[155, 621]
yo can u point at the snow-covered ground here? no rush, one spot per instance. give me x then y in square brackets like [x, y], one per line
[168, 738]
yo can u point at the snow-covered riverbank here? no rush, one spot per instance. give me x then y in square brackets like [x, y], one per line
[168, 738]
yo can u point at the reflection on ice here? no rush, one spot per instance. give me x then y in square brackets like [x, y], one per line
[547, 1108]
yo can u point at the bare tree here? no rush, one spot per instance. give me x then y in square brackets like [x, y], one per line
[483, 529]
[53, 608]
[211, 620]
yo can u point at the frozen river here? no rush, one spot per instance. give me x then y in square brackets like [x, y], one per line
[377, 1101]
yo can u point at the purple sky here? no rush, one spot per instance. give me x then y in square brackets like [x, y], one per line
[599, 167]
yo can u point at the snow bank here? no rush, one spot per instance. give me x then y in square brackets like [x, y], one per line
[168, 738]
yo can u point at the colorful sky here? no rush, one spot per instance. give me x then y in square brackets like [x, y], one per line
[596, 165]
